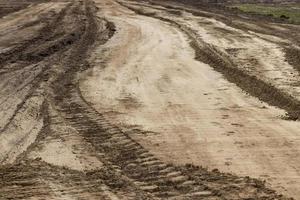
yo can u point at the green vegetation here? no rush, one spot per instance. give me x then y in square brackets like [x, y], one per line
[289, 12]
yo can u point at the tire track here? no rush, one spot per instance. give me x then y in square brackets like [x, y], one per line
[37, 55]
[132, 160]
[37, 179]
[146, 171]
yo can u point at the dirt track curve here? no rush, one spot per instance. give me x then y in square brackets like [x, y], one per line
[138, 100]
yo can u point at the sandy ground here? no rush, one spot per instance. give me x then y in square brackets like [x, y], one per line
[100, 102]
[20, 124]
[246, 48]
[189, 113]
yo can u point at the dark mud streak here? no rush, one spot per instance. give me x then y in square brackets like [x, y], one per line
[293, 57]
[251, 84]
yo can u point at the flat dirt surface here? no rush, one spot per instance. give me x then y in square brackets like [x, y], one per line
[111, 99]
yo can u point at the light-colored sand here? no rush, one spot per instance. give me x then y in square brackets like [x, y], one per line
[63, 146]
[22, 131]
[152, 82]
[259, 54]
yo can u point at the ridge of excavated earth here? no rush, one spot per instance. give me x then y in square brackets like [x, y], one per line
[55, 143]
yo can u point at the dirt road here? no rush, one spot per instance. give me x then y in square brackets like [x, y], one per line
[127, 100]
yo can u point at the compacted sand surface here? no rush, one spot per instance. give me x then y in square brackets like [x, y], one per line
[137, 100]
[188, 112]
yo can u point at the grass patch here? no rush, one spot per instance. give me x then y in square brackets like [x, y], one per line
[289, 12]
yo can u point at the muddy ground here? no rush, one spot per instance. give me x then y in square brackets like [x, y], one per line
[114, 99]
